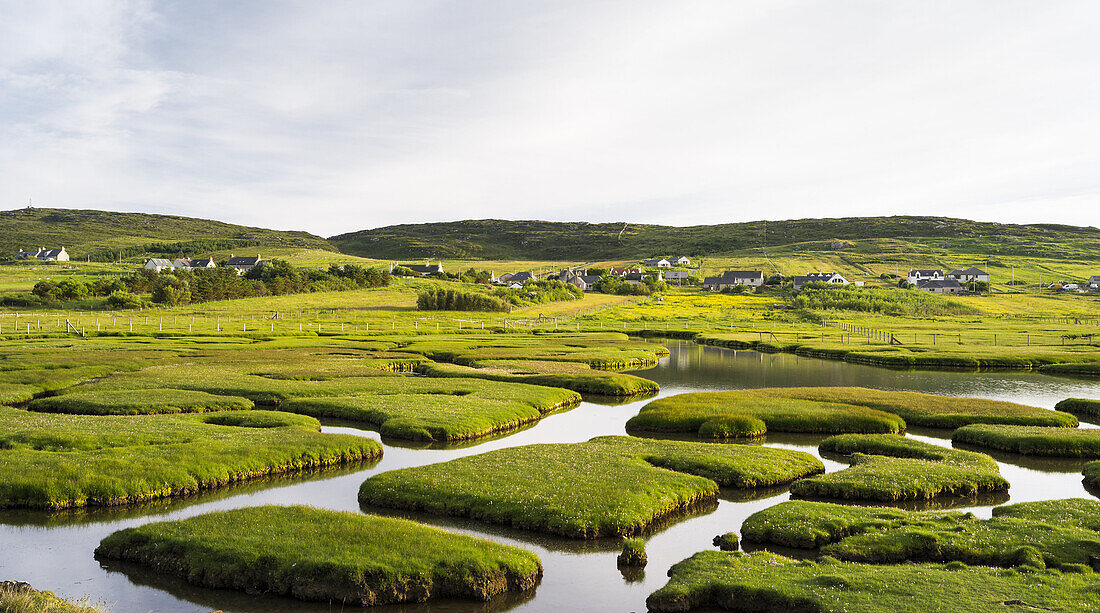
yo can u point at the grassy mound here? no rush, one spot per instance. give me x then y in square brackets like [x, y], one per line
[1072, 368]
[891, 468]
[1092, 474]
[1029, 440]
[139, 402]
[54, 461]
[765, 581]
[15, 393]
[608, 486]
[569, 375]
[439, 410]
[1081, 407]
[892, 536]
[753, 413]
[931, 410]
[16, 597]
[1078, 512]
[608, 350]
[313, 554]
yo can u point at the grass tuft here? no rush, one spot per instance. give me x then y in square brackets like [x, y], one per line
[1030, 440]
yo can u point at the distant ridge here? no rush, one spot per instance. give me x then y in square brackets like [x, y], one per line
[101, 235]
[537, 240]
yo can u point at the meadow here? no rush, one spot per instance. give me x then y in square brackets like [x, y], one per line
[892, 468]
[768, 582]
[608, 486]
[319, 555]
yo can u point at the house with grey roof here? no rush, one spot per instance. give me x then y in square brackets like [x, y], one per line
[658, 263]
[45, 255]
[969, 275]
[158, 264]
[916, 276]
[941, 286]
[731, 278]
[243, 264]
[829, 278]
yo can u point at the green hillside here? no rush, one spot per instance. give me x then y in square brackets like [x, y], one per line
[494, 239]
[101, 235]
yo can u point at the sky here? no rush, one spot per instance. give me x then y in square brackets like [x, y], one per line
[337, 116]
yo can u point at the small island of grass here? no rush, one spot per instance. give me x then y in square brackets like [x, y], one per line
[320, 555]
[1031, 440]
[608, 486]
[139, 402]
[892, 468]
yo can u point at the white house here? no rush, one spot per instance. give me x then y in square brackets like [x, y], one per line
[243, 264]
[680, 260]
[968, 275]
[730, 278]
[1094, 282]
[831, 278]
[916, 276]
[45, 255]
[677, 275]
[158, 264]
[661, 263]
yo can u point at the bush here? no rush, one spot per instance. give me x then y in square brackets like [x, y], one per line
[126, 300]
[442, 299]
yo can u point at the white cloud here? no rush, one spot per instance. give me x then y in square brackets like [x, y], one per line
[336, 116]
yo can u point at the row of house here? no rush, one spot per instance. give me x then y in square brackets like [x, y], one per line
[44, 255]
[681, 260]
[241, 264]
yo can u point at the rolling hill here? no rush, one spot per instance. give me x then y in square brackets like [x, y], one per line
[103, 235]
[493, 239]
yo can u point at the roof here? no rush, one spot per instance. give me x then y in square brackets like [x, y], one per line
[938, 283]
[520, 277]
[158, 262]
[922, 272]
[204, 262]
[243, 261]
[590, 279]
[50, 253]
[973, 270]
[653, 262]
[823, 275]
[743, 274]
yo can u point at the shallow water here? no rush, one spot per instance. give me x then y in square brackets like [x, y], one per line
[55, 551]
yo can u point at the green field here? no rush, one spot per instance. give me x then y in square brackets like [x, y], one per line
[313, 554]
[767, 582]
[18, 597]
[608, 486]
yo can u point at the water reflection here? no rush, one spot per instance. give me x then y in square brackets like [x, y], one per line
[54, 551]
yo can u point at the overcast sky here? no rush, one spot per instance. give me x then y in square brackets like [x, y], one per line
[337, 116]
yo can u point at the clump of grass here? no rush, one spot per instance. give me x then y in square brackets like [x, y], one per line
[1072, 368]
[892, 536]
[53, 461]
[15, 393]
[608, 486]
[1081, 407]
[139, 402]
[747, 414]
[633, 553]
[16, 597]
[764, 581]
[727, 541]
[314, 554]
[1092, 475]
[891, 468]
[609, 350]
[1030, 440]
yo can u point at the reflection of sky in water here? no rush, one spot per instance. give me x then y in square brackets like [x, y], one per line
[56, 553]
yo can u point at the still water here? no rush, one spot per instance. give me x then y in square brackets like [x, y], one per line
[55, 551]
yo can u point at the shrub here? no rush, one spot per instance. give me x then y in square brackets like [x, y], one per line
[442, 299]
[633, 553]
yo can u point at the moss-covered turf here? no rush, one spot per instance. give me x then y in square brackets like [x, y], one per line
[139, 402]
[831, 410]
[52, 461]
[766, 582]
[18, 597]
[747, 414]
[1092, 475]
[569, 375]
[893, 536]
[1085, 408]
[727, 542]
[892, 468]
[1079, 512]
[320, 555]
[633, 553]
[1031, 440]
[608, 350]
[608, 486]
[1088, 369]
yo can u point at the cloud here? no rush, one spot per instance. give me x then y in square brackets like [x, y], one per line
[336, 116]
